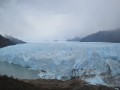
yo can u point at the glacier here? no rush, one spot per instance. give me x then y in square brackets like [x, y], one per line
[96, 63]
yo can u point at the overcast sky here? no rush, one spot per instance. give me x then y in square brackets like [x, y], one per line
[38, 20]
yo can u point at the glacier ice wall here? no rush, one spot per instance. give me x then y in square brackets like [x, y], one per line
[89, 61]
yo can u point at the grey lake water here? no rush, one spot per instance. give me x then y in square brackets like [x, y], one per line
[17, 71]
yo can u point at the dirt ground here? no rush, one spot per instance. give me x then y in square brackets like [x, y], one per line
[66, 85]
[10, 83]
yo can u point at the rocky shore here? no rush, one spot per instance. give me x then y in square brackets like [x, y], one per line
[9, 83]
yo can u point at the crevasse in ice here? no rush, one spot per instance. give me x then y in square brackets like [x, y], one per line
[61, 60]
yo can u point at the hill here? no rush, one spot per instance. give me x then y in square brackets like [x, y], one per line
[14, 40]
[6, 41]
[103, 36]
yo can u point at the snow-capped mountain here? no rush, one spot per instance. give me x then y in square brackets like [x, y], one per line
[97, 63]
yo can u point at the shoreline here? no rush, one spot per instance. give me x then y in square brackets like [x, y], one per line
[44, 84]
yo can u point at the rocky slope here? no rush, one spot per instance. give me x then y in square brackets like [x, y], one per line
[103, 36]
[14, 40]
[6, 41]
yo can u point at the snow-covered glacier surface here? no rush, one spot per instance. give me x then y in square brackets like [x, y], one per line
[97, 63]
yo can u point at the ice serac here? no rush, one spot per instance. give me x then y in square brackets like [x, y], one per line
[97, 63]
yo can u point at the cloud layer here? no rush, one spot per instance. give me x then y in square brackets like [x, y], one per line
[38, 20]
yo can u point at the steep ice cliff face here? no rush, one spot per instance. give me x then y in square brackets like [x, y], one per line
[97, 63]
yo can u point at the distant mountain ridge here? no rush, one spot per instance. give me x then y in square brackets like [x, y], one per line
[103, 36]
[74, 39]
[9, 41]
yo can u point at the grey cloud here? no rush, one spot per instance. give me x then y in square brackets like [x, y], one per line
[36, 20]
[3, 3]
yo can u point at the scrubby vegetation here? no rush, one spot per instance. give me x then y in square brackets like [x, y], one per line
[9, 83]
